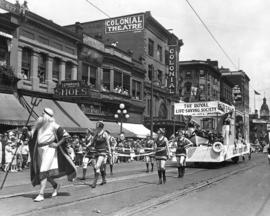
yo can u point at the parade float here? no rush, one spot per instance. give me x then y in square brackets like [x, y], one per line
[212, 129]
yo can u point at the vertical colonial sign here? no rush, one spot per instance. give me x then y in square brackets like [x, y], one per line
[172, 69]
[125, 24]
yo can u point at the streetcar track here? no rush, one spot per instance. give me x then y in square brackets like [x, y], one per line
[156, 203]
[165, 199]
[89, 198]
[84, 184]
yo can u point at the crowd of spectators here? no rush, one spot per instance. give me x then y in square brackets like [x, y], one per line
[9, 143]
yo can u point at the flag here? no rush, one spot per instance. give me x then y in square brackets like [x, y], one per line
[256, 93]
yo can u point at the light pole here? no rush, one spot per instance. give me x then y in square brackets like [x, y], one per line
[121, 114]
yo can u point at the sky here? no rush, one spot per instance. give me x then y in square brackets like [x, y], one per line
[240, 26]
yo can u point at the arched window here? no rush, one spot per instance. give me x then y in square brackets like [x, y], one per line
[163, 112]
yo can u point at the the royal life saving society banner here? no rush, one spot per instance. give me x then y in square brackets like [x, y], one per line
[202, 108]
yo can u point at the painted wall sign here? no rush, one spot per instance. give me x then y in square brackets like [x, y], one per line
[125, 24]
[172, 69]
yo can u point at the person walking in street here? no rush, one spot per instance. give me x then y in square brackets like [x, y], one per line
[112, 159]
[49, 158]
[102, 147]
[181, 152]
[25, 153]
[149, 148]
[162, 154]
[89, 154]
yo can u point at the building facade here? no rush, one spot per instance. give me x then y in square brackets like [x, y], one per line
[240, 90]
[199, 80]
[156, 49]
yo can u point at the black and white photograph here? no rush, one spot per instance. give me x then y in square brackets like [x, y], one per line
[134, 108]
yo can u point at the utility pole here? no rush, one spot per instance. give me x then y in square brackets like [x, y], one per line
[151, 102]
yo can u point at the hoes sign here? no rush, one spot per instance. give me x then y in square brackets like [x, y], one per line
[124, 24]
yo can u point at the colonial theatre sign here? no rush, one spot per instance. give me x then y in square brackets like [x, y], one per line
[125, 24]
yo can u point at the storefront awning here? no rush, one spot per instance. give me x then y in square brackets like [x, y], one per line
[11, 111]
[76, 114]
[61, 117]
[139, 130]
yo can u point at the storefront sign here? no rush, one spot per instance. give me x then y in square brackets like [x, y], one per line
[172, 69]
[72, 88]
[125, 24]
[93, 43]
[202, 108]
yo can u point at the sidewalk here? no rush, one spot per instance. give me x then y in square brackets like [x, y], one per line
[244, 194]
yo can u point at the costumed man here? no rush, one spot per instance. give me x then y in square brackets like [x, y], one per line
[102, 147]
[162, 154]
[149, 148]
[89, 156]
[49, 157]
[181, 152]
[113, 158]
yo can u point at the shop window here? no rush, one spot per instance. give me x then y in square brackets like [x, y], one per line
[159, 53]
[202, 73]
[42, 58]
[68, 70]
[117, 81]
[126, 84]
[106, 79]
[188, 74]
[150, 47]
[85, 73]
[4, 54]
[150, 72]
[121, 82]
[136, 89]
[93, 76]
[162, 113]
[26, 63]
[56, 69]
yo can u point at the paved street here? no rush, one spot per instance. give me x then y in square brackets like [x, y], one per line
[221, 190]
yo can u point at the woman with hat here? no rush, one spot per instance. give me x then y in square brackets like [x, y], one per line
[181, 152]
[162, 153]
[102, 147]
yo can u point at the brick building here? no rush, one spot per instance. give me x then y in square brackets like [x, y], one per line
[152, 45]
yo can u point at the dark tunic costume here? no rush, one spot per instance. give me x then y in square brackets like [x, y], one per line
[180, 149]
[161, 151]
[100, 144]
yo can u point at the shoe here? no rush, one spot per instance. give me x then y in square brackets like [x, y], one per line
[56, 190]
[39, 198]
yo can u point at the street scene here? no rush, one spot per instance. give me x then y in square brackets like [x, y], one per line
[134, 108]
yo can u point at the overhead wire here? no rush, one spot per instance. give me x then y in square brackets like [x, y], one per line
[212, 35]
[100, 10]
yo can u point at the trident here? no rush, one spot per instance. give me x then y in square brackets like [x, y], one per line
[34, 102]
